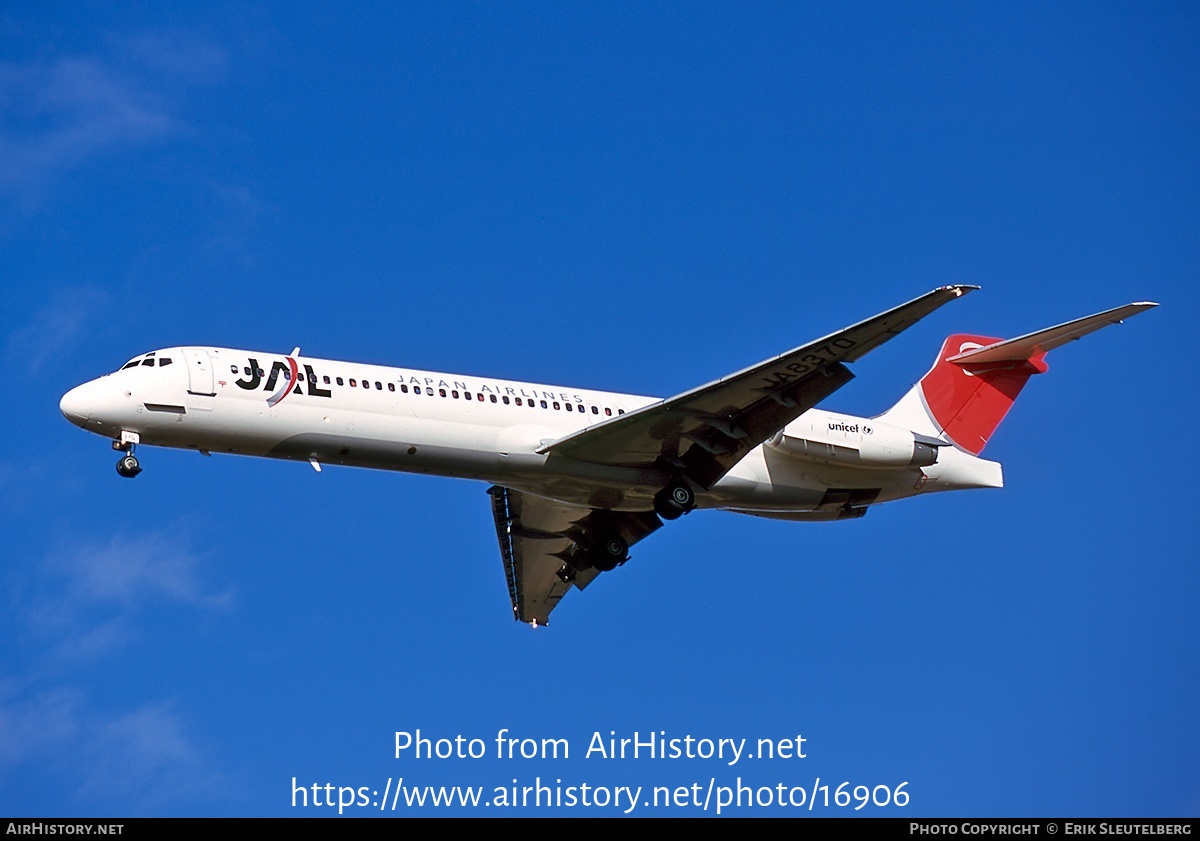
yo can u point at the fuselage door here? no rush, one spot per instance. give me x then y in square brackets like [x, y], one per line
[201, 385]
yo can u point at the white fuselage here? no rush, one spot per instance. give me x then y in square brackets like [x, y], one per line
[331, 412]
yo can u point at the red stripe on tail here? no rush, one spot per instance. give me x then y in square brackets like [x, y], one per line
[969, 401]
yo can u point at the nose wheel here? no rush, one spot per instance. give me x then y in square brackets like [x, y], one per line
[127, 465]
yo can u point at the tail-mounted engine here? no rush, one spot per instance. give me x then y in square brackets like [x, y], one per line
[854, 442]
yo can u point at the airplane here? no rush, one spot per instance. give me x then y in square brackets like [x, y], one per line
[579, 476]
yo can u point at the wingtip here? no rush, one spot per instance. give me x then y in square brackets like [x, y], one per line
[959, 289]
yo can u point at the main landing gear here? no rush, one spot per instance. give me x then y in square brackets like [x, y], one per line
[604, 555]
[127, 465]
[609, 553]
[675, 500]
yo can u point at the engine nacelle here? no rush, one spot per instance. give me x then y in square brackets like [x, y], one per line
[853, 442]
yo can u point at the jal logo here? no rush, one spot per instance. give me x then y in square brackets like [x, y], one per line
[289, 371]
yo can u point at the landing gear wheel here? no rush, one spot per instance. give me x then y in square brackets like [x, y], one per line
[128, 466]
[610, 553]
[674, 500]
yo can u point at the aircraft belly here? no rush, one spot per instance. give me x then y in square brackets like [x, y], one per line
[358, 451]
[768, 480]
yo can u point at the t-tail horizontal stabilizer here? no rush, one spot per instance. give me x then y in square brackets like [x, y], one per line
[976, 379]
[1037, 344]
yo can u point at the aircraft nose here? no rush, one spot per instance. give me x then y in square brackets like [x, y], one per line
[76, 405]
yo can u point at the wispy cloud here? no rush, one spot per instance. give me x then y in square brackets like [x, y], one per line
[87, 600]
[93, 592]
[71, 109]
[71, 609]
[174, 55]
[88, 643]
[35, 723]
[144, 757]
[54, 329]
[127, 570]
[56, 114]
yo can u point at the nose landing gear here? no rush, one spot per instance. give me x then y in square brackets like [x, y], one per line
[127, 465]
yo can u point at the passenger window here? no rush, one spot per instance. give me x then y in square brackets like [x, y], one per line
[595, 410]
[543, 404]
[620, 411]
[299, 377]
[378, 385]
[493, 397]
[505, 398]
[480, 396]
[442, 392]
[454, 394]
[233, 369]
[518, 399]
[391, 386]
[339, 381]
[555, 404]
[404, 388]
[466, 395]
[246, 370]
[429, 391]
[608, 411]
[326, 379]
[353, 382]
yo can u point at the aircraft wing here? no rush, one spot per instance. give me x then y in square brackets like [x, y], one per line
[539, 537]
[704, 432]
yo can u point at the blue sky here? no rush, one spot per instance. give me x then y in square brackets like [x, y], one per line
[628, 197]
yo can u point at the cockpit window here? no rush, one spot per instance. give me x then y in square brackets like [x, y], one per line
[147, 360]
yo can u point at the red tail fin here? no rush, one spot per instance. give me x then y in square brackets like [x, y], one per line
[976, 379]
[967, 398]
